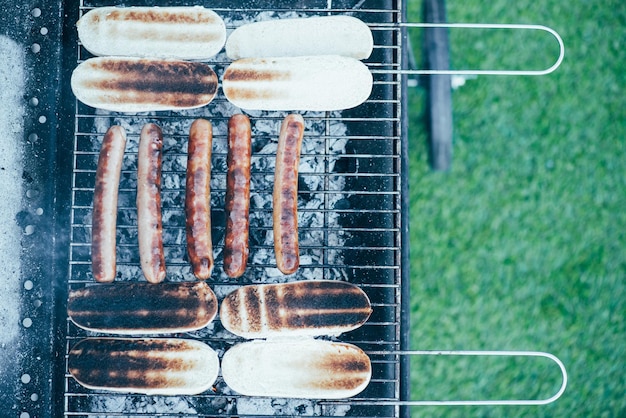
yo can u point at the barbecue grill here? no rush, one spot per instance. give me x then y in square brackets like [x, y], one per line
[352, 213]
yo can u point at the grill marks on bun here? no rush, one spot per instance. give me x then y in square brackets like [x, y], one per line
[165, 15]
[243, 74]
[142, 308]
[146, 366]
[179, 32]
[137, 84]
[318, 83]
[316, 65]
[298, 308]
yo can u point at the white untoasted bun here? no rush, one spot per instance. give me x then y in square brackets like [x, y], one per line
[297, 369]
[325, 35]
[163, 32]
[128, 84]
[160, 366]
[303, 308]
[323, 83]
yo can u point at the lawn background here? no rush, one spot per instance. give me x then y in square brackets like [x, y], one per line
[522, 244]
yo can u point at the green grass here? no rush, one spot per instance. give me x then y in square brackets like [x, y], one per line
[522, 244]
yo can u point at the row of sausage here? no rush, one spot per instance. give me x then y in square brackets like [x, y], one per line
[197, 199]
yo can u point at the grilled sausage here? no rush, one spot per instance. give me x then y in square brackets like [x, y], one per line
[142, 308]
[124, 84]
[305, 369]
[193, 33]
[104, 216]
[166, 366]
[320, 35]
[237, 206]
[150, 228]
[285, 198]
[198, 199]
[304, 308]
[320, 83]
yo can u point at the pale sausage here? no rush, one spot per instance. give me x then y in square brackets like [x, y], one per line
[105, 193]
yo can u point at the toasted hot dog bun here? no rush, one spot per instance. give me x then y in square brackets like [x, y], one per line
[143, 308]
[146, 366]
[192, 33]
[315, 307]
[322, 83]
[308, 368]
[324, 35]
[126, 84]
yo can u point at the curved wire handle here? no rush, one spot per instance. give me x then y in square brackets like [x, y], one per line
[467, 353]
[548, 70]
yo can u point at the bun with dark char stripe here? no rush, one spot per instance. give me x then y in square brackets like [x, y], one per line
[160, 366]
[193, 33]
[311, 369]
[142, 308]
[304, 308]
[126, 84]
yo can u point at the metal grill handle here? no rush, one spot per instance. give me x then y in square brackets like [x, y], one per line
[466, 353]
[496, 26]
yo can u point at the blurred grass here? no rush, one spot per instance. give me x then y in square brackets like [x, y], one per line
[522, 244]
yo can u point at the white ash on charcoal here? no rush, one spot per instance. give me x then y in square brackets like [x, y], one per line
[278, 407]
[288, 407]
[129, 404]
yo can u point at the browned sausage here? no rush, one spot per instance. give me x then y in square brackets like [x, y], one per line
[198, 199]
[286, 194]
[150, 229]
[104, 216]
[237, 196]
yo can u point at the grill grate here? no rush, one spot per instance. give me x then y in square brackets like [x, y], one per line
[350, 215]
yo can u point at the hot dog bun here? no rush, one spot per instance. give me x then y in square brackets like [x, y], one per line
[297, 369]
[193, 33]
[323, 83]
[126, 84]
[324, 307]
[324, 35]
[146, 366]
[143, 308]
